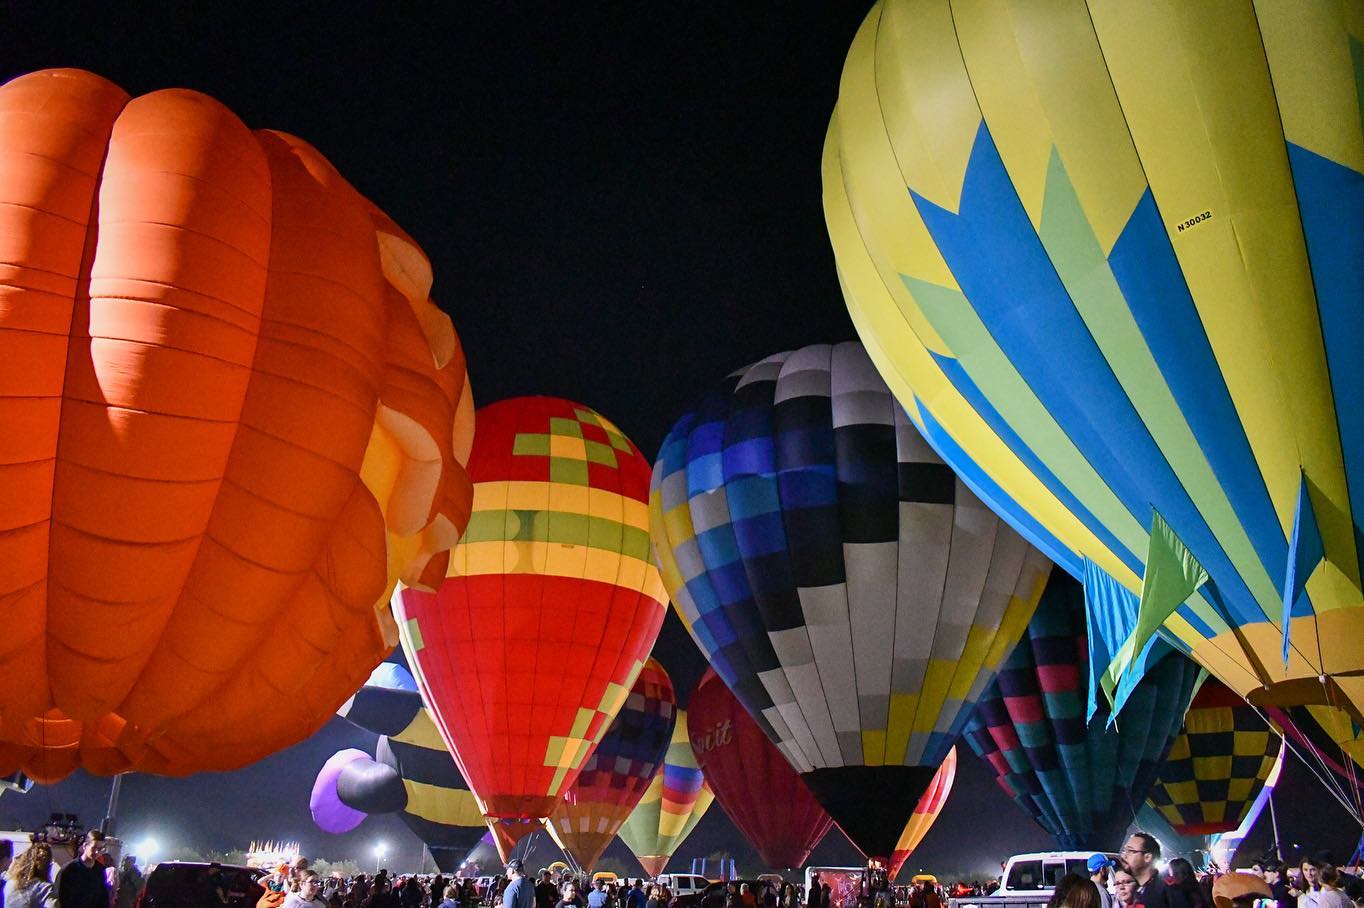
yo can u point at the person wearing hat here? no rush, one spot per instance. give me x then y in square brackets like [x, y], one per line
[1099, 866]
[519, 892]
[1239, 890]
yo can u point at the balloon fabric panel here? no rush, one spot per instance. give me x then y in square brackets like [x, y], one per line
[620, 769]
[925, 813]
[550, 607]
[754, 784]
[672, 805]
[217, 383]
[1082, 782]
[854, 595]
[1217, 764]
[1170, 201]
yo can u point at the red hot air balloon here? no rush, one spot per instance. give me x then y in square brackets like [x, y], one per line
[549, 608]
[751, 779]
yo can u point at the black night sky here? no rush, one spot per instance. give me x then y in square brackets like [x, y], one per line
[622, 205]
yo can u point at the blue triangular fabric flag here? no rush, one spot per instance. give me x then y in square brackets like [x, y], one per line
[1110, 616]
[1111, 611]
[1305, 552]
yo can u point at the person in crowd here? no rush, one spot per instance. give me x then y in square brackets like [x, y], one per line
[546, 893]
[826, 895]
[569, 897]
[276, 886]
[450, 896]
[1351, 884]
[789, 897]
[1141, 853]
[6, 858]
[130, 883]
[1099, 867]
[812, 898]
[1125, 886]
[596, 897]
[29, 878]
[1304, 888]
[307, 892]
[1184, 884]
[1075, 891]
[520, 892]
[1239, 890]
[636, 898]
[81, 883]
[746, 897]
[379, 894]
[1332, 893]
[414, 894]
[1272, 873]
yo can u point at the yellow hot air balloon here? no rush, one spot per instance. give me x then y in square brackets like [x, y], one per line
[1107, 255]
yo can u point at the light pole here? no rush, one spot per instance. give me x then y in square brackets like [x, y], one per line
[380, 850]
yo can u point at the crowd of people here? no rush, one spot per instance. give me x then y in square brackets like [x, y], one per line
[89, 881]
[1134, 880]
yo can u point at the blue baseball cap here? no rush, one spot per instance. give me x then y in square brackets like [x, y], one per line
[1098, 862]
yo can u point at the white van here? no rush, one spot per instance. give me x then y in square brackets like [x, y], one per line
[683, 883]
[1040, 871]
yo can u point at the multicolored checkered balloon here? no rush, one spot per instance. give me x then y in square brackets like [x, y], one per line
[1081, 782]
[619, 771]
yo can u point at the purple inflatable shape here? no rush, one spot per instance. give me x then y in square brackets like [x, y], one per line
[329, 813]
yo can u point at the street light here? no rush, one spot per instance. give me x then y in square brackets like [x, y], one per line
[146, 850]
[380, 850]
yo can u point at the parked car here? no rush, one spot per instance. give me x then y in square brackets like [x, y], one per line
[696, 899]
[183, 884]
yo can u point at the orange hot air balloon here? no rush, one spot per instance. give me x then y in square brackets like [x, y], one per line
[925, 813]
[550, 608]
[231, 420]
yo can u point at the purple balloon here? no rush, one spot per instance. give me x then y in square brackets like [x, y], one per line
[328, 812]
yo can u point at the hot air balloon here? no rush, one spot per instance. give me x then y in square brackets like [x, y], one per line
[1217, 848]
[1217, 765]
[672, 805]
[411, 772]
[854, 595]
[233, 420]
[925, 813]
[619, 771]
[1081, 781]
[550, 606]
[1107, 256]
[752, 781]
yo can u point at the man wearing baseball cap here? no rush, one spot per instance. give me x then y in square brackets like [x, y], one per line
[1099, 865]
[519, 893]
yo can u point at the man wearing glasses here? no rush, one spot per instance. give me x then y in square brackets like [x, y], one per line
[1141, 853]
[81, 884]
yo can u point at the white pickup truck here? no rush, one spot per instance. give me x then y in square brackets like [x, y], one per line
[1030, 879]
